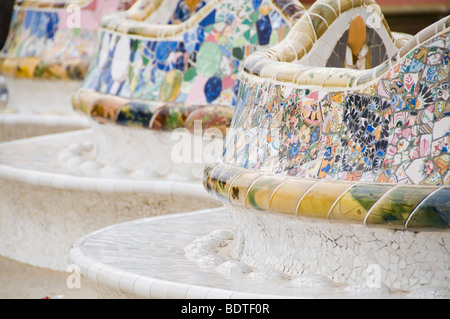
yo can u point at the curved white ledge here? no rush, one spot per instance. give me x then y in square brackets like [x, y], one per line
[15, 126]
[138, 259]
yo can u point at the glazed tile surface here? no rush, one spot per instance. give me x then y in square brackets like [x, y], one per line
[374, 143]
[54, 39]
[140, 67]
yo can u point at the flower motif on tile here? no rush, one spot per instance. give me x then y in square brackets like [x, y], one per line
[425, 96]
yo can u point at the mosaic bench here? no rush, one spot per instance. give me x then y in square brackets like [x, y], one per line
[340, 164]
[149, 79]
[48, 50]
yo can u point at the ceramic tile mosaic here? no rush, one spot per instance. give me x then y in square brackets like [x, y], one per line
[186, 67]
[375, 143]
[54, 39]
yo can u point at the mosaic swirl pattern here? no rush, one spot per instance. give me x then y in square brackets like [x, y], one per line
[361, 145]
[54, 39]
[190, 66]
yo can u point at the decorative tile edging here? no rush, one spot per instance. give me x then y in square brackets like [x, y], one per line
[397, 207]
[201, 79]
[151, 114]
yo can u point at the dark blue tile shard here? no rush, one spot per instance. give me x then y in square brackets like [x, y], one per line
[212, 89]
[256, 4]
[135, 114]
[210, 19]
[264, 29]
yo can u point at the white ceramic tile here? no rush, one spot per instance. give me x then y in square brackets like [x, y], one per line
[102, 275]
[143, 186]
[164, 271]
[93, 270]
[58, 181]
[163, 187]
[85, 184]
[105, 185]
[219, 294]
[31, 179]
[11, 174]
[177, 291]
[71, 183]
[197, 292]
[159, 289]
[114, 278]
[124, 186]
[142, 286]
[78, 258]
[126, 282]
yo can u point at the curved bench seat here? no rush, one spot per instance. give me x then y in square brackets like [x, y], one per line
[53, 39]
[388, 127]
[325, 154]
[192, 64]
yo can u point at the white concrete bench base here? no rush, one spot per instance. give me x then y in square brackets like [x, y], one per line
[173, 256]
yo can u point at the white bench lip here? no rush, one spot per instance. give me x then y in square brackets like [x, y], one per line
[44, 120]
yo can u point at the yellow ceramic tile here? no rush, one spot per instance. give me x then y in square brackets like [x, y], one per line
[286, 197]
[318, 201]
[336, 79]
[27, 67]
[239, 187]
[9, 66]
[356, 35]
[346, 5]
[260, 192]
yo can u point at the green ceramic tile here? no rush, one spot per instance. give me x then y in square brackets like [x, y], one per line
[259, 194]
[393, 209]
[433, 214]
[354, 205]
